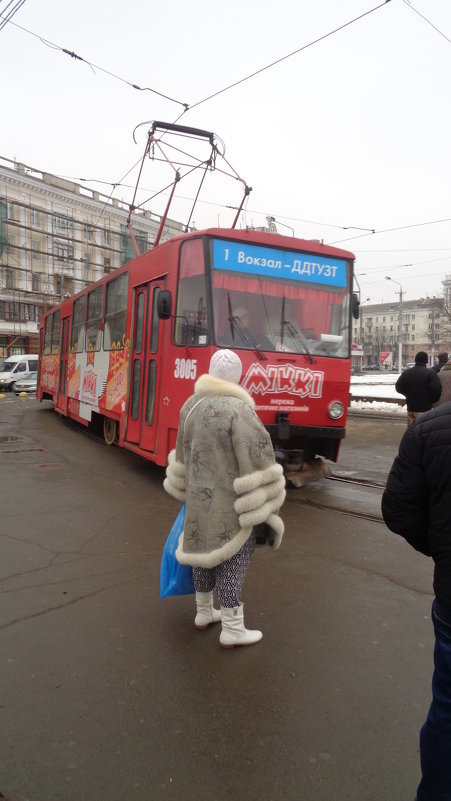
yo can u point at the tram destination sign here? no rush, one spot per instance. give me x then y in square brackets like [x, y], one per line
[296, 266]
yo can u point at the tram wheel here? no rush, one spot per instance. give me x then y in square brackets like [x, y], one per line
[109, 430]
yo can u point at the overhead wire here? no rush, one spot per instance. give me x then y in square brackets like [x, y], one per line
[412, 8]
[91, 64]
[186, 106]
[289, 55]
[390, 230]
[5, 19]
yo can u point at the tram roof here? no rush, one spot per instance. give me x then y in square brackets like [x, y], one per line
[282, 240]
[236, 234]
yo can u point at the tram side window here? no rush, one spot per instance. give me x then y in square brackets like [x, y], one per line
[191, 321]
[94, 317]
[78, 325]
[48, 334]
[56, 332]
[155, 324]
[116, 313]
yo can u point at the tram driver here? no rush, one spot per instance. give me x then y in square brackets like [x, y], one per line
[240, 332]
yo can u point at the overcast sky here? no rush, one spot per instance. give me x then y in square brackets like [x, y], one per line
[353, 132]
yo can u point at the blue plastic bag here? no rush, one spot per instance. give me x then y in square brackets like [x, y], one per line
[175, 579]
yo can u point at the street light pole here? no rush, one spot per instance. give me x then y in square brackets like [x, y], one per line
[387, 278]
[361, 330]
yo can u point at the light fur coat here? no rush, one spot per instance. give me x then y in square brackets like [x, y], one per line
[224, 468]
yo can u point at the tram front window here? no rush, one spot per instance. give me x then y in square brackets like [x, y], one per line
[280, 316]
[191, 320]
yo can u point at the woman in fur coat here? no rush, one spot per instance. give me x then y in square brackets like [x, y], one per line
[224, 468]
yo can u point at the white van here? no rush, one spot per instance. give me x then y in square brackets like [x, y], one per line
[14, 367]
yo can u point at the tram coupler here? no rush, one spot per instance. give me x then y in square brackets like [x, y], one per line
[283, 426]
[292, 461]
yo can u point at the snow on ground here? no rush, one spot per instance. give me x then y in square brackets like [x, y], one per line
[377, 385]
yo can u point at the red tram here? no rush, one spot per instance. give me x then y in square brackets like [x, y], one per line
[126, 351]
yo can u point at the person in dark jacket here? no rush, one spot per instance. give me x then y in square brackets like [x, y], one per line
[442, 359]
[420, 386]
[416, 505]
[444, 377]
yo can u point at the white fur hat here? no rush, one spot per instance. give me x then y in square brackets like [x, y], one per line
[227, 365]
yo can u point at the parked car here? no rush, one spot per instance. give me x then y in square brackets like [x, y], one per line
[27, 383]
[15, 367]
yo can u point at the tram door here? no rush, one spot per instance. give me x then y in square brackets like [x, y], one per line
[64, 352]
[142, 418]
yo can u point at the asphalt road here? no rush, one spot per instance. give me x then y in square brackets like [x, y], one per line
[108, 693]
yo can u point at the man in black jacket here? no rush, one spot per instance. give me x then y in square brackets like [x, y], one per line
[416, 505]
[421, 387]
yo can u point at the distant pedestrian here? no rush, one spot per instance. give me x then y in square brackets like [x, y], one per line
[416, 505]
[420, 386]
[444, 376]
[442, 359]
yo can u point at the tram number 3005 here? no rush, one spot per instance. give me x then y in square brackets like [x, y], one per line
[185, 368]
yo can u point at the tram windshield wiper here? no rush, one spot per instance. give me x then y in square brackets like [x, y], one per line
[243, 333]
[294, 333]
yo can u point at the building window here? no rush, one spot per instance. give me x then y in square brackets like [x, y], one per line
[10, 245]
[34, 217]
[35, 282]
[63, 252]
[9, 278]
[58, 285]
[62, 222]
[10, 211]
[107, 237]
[87, 231]
[34, 249]
[106, 265]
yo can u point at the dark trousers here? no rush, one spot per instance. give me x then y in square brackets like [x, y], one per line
[435, 735]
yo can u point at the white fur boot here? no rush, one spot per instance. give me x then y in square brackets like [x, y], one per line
[206, 613]
[233, 631]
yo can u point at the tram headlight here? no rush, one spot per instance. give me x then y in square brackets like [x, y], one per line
[336, 410]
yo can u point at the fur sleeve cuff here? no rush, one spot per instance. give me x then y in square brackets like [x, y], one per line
[255, 499]
[259, 478]
[174, 482]
[261, 515]
[277, 526]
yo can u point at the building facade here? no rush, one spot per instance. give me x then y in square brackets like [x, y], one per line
[377, 332]
[56, 237]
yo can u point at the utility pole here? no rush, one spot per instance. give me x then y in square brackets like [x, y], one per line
[387, 278]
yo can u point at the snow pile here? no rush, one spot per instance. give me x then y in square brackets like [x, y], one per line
[380, 386]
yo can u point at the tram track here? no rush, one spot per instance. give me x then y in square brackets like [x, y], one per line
[362, 482]
[329, 507]
[296, 496]
[358, 504]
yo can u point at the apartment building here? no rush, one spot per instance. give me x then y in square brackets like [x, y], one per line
[57, 236]
[377, 330]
